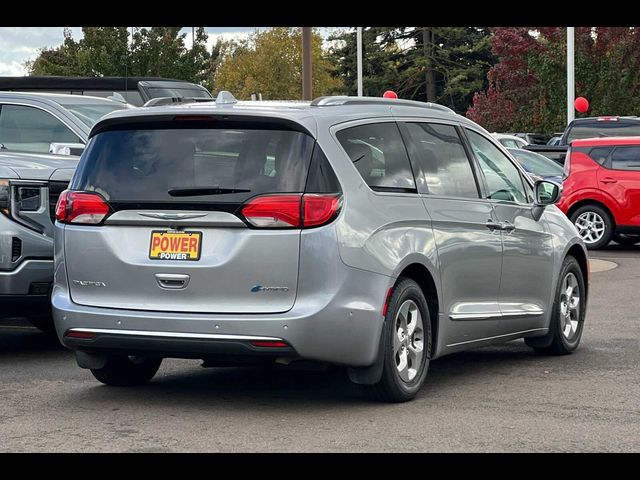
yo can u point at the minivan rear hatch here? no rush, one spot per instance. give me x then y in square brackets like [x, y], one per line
[175, 239]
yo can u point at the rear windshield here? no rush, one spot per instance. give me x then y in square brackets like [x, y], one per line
[604, 129]
[157, 92]
[144, 166]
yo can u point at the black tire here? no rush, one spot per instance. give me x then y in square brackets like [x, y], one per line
[125, 371]
[391, 387]
[626, 240]
[608, 224]
[556, 343]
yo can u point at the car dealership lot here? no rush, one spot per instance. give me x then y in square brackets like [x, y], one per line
[502, 398]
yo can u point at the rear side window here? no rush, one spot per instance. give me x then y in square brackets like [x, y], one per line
[626, 158]
[379, 154]
[439, 157]
[600, 154]
[29, 129]
[194, 165]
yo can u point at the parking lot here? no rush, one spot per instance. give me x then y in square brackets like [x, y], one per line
[493, 399]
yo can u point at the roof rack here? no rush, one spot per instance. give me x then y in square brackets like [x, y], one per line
[331, 101]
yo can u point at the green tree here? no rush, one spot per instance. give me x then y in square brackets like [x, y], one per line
[155, 51]
[270, 62]
[438, 64]
[527, 87]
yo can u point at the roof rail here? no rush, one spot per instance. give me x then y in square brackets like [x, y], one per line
[347, 100]
[160, 101]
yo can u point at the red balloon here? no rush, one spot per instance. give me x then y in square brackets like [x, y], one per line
[390, 94]
[581, 104]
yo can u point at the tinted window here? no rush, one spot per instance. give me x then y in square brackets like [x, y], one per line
[321, 178]
[600, 154]
[437, 153]
[131, 166]
[379, 154]
[89, 113]
[626, 158]
[30, 129]
[604, 129]
[503, 178]
[537, 164]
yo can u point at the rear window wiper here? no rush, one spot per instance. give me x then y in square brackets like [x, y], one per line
[195, 191]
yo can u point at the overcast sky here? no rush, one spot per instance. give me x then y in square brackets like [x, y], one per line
[19, 44]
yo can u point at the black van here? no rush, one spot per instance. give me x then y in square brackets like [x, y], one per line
[134, 90]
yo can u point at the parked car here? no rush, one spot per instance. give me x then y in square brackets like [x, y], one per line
[378, 234]
[534, 138]
[602, 190]
[588, 127]
[50, 123]
[134, 90]
[554, 141]
[31, 179]
[538, 165]
[510, 141]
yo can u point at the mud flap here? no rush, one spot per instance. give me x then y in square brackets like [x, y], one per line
[370, 375]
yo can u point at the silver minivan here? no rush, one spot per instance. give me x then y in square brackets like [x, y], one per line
[376, 234]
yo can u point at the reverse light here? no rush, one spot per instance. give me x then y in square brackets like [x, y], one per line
[81, 207]
[291, 211]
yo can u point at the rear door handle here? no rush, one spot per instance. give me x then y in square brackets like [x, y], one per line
[172, 281]
[609, 180]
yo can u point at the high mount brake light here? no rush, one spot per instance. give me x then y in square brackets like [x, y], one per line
[81, 207]
[291, 211]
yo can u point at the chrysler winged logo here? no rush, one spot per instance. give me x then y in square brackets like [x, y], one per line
[260, 288]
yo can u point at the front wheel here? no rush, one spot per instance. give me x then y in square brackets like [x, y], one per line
[594, 225]
[406, 342]
[127, 371]
[567, 316]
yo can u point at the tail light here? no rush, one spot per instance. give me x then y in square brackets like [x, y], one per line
[269, 344]
[567, 164]
[292, 211]
[81, 207]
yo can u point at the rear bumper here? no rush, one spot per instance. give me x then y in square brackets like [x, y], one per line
[341, 328]
[183, 345]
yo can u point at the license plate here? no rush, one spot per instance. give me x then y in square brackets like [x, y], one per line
[170, 245]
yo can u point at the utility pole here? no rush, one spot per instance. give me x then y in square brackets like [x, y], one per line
[306, 63]
[359, 42]
[193, 37]
[571, 85]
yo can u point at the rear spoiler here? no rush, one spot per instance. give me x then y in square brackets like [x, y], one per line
[160, 101]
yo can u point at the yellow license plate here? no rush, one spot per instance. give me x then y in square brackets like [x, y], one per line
[167, 245]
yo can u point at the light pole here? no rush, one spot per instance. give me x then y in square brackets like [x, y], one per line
[571, 86]
[306, 63]
[359, 46]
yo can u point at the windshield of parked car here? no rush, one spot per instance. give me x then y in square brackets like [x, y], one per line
[537, 164]
[156, 92]
[90, 113]
[604, 129]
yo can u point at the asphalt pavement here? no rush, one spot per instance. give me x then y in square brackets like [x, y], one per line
[498, 399]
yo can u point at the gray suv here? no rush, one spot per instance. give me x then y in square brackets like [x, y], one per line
[370, 233]
[31, 126]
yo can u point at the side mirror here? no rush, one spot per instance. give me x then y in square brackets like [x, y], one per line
[547, 193]
[59, 148]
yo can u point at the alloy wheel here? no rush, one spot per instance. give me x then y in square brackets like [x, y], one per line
[408, 341]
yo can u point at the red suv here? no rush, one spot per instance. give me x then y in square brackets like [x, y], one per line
[601, 190]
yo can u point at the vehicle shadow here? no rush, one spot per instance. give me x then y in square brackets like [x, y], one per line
[18, 336]
[241, 388]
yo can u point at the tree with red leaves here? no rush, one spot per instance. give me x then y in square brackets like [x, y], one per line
[527, 87]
